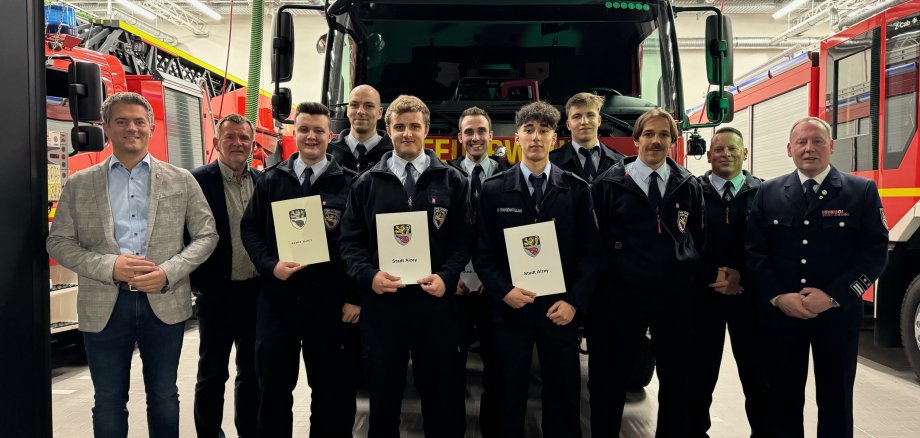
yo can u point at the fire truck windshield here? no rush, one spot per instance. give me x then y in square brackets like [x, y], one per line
[457, 54]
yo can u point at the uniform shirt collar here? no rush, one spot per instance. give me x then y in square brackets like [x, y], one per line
[469, 165]
[368, 145]
[718, 182]
[819, 178]
[578, 146]
[398, 165]
[643, 172]
[318, 168]
[526, 171]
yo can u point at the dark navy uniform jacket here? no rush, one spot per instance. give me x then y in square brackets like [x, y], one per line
[645, 249]
[343, 155]
[378, 190]
[838, 245]
[323, 281]
[726, 228]
[566, 158]
[506, 202]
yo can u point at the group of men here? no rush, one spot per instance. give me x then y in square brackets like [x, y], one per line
[645, 247]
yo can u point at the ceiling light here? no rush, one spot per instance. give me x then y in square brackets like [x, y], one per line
[791, 6]
[133, 7]
[204, 9]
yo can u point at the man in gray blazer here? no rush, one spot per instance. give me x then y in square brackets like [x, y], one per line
[119, 225]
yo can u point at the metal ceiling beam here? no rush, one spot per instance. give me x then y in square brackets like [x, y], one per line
[816, 15]
[177, 15]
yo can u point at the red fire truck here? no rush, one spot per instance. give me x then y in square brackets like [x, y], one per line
[864, 82]
[500, 55]
[184, 93]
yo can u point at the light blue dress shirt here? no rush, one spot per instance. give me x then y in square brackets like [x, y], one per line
[526, 172]
[353, 142]
[641, 174]
[398, 166]
[318, 169]
[718, 182]
[129, 199]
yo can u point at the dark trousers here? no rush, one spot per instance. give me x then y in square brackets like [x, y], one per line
[227, 317]
[476, 321]
[833, 338]
[295, 326]
[712, 313]
[404, 324]
[109, 354]
[615, 337]
[516, 333]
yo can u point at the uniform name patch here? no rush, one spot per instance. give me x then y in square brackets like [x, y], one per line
[834, 213]
[509, 210]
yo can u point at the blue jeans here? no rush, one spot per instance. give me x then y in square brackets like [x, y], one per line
[109, 355]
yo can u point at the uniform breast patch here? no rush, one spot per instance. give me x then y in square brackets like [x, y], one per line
[331, 217]
[509, 210]
[682, 217]
[439, 216]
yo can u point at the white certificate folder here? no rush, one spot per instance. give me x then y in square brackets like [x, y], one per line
[533, 257]
[402, 245]
[300, 230]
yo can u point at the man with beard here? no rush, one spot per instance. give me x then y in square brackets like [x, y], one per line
[723, 295]
[361, 146]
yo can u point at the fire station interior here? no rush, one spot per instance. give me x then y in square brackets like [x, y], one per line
[852, 63]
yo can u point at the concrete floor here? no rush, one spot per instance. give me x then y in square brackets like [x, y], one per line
[887, 399]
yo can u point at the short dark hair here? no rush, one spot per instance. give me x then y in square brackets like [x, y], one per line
[540, 111]
[312, 108]
[125, 98]
[729, 130]
[651, 114]
[475, 111]
[234, 118]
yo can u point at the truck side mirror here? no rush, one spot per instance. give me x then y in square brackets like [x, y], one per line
[86, 138]
[84, 91]
[283, 48]
[720, 106]
[281, 104]
[719, 51]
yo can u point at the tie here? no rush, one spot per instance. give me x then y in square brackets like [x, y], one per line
[589, 171]
[476, 182]
[360, 152]
[654, 193]
[307, 174]
[537, 183]
[727, 195]
[810, 194]
[409, 183]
